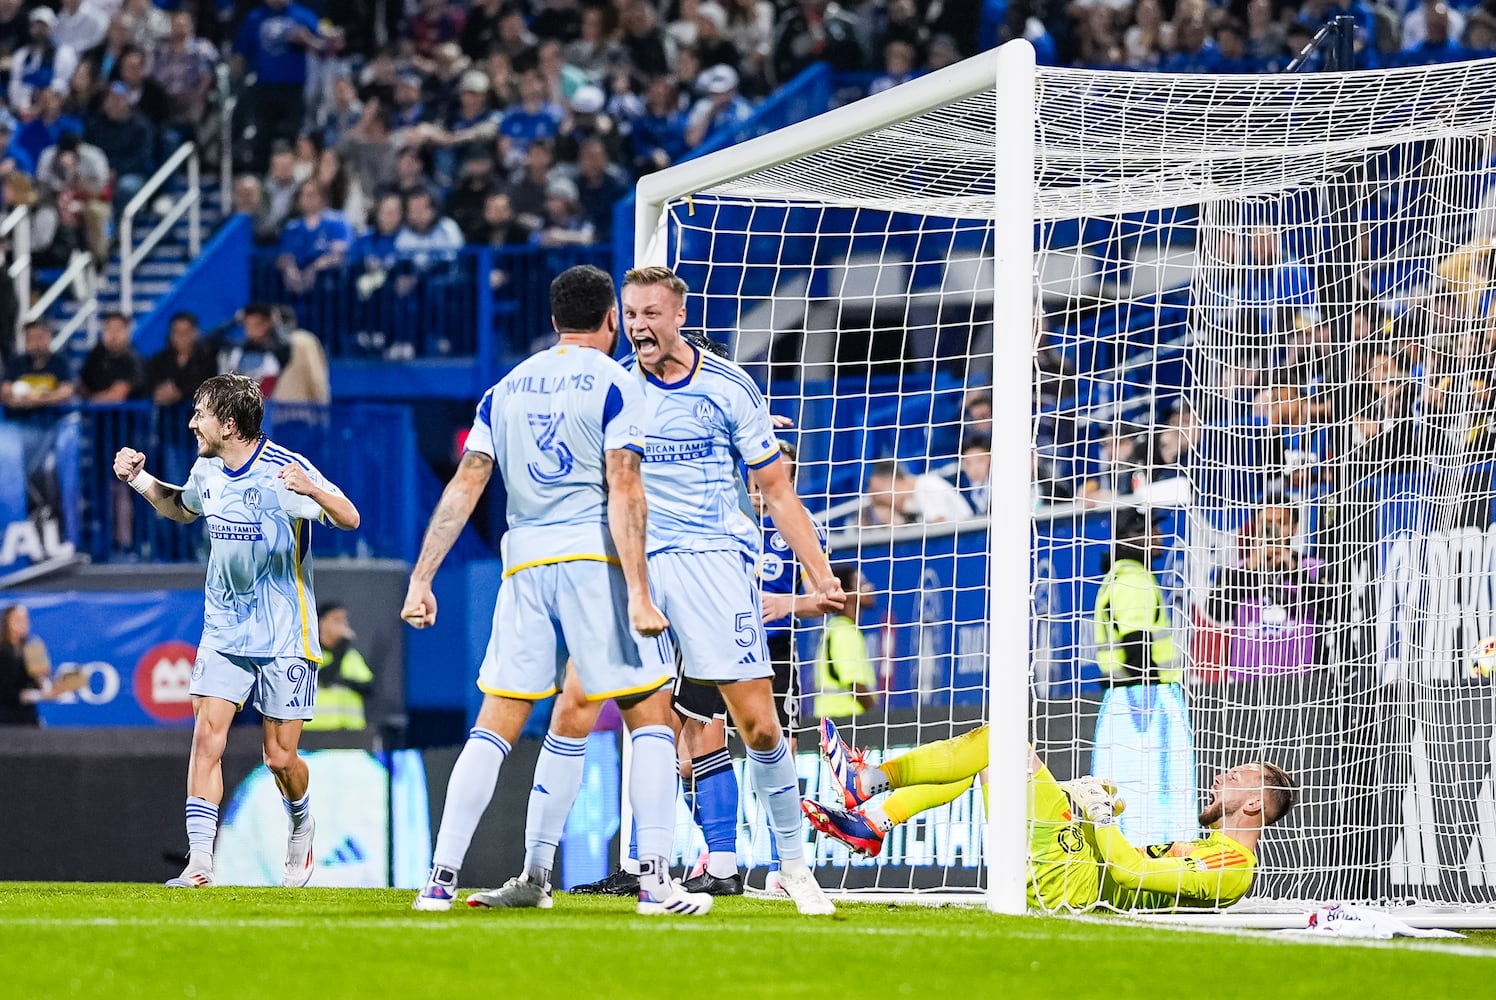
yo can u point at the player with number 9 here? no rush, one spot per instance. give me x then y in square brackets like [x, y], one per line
[259, 628]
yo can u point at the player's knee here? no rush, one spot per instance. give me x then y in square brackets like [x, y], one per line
[280, 759]
[760, 733]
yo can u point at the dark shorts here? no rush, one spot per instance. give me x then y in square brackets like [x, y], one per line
[786, 680]
[703, 702]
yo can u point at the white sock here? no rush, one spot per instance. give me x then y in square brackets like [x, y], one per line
[468, 792]
[722, 864]
[558, 778]
[772, 776]
[652, 777]
[877, 817]
[299, 811]
[871, 781]
[202, 827]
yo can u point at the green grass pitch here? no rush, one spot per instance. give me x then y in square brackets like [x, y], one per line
[123, 941]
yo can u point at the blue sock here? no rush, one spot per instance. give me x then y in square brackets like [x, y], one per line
[558, 778]
[716, 810]
[468, 792]
[298, 810]
[202, 827]
[772, 774]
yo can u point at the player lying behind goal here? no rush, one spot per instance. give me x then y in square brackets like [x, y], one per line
[1075, 861]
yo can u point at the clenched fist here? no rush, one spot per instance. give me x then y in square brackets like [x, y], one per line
[128, 463]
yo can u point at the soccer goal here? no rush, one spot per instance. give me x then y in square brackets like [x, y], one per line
[1227, 343]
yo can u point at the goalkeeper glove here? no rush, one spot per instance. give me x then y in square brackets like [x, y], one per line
[1096, 799]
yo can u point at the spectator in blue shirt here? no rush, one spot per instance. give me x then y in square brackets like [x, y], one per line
[657, 138]
[898, 67]
[48, 126]
[407, 110]
[535, 117]
[314, 242]
[1231, 49]
[14, 155]
[470, 130]
[722, 106]
[375, 250]
[127, 140]
[599, 188]
[272, 44]
[1196, 53]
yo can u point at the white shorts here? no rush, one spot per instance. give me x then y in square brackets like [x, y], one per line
[285, 687]
[711, 599]
[578, 609]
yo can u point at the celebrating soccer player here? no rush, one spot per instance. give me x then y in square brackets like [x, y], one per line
[566, 430]
[705, 416]
[1075, 862]
[259, 629]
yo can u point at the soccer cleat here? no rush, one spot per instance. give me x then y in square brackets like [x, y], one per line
[679, 903]
[810, 899]
[299, 860]
[850, 827]
[845, 763]
[771, 890]
[620, 883]
[517, 894]
[440, 891]
[710, 884]
[192, 878]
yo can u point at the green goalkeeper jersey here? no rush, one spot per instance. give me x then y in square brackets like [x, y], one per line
[1076, 866]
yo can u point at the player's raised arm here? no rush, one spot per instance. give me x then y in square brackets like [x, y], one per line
[340, 511]
[129, 467]
[790, 518]
[452, 512]
[626, 523]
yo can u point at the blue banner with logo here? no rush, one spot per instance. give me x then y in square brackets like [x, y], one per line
[38, 491]
[135, 648]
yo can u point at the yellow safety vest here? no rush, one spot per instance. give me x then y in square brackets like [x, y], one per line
[1131, 602]
[841, 665]
[340, 707]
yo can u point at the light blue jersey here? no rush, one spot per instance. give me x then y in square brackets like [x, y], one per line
[700, 428]
[547, 426]
[258, 601]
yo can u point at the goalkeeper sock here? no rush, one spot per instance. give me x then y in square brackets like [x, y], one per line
[716, 810]
[558, 778]
[772, 773]
[298, 810]
[202, 827]
[468, 791]
[915, 799]
[955, 759]
[652, 795]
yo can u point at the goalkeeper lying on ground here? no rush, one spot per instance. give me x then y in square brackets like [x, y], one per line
[1077, 856]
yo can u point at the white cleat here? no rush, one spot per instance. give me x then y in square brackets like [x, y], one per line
[517, 894]
[680, 903]
[299, 860]
[440, 891]
[192, 878]
[801, 886]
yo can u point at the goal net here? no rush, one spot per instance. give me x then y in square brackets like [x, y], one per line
[1227, 345]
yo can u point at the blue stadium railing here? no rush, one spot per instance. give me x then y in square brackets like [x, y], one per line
[368, 449]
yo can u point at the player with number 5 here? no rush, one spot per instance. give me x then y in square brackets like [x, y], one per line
[259, 628]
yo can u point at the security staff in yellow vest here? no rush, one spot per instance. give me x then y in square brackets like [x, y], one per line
[344, 679]
[844, 674]
[1134, 644]
[1144, 740]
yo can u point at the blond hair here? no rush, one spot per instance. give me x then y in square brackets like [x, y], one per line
[656, 276]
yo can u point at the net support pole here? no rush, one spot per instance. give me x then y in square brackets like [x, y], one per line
[1010, 525]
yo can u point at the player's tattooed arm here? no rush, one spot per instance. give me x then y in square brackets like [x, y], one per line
[452, 512]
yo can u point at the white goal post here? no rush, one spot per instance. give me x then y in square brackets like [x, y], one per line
[1252, 312]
